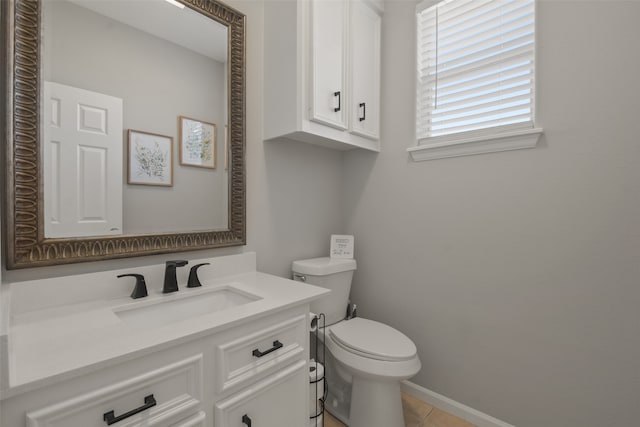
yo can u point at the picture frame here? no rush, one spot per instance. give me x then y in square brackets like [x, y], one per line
[198, 141]
[150, 159]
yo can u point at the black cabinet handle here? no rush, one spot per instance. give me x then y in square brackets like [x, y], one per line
[246, 420]
[276, 345]
[364, 111]
[339, 101]
[110, 418]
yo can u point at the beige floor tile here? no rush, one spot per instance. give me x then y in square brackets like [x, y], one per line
[438, 418]
[415, 411]
[329, 421]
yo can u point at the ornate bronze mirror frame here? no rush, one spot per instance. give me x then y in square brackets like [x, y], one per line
[26, 245]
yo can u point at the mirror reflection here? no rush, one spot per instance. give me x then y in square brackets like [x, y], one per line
[135, 113]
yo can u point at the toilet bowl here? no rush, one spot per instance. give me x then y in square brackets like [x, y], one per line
[366, 360]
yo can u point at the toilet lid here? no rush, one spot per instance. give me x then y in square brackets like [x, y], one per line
[372, 339]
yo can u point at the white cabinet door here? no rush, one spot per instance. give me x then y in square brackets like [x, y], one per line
[329, 41]
[365, 70]
[83, 154]
[278, 401]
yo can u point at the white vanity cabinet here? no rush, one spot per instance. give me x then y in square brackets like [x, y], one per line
[254, 371]
[234, 349]
[322, 72]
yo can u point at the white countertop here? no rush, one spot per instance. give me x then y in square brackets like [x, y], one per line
[51, 344]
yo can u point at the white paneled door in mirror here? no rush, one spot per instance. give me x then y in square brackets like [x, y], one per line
[82, 162]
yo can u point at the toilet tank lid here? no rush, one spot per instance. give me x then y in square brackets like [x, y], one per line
[323, 266]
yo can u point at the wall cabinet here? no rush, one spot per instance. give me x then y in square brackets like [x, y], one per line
[255, 371]
[322, 72]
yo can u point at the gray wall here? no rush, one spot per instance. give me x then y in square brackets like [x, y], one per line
[158, 81]
[517, 274]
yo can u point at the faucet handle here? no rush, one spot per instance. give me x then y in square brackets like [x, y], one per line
[194, 281]
[140, 289]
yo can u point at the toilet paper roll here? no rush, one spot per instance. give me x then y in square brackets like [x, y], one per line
[316, 387]
[313, 322]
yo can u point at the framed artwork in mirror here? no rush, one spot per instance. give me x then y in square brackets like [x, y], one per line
[197, 143]
[150, 159]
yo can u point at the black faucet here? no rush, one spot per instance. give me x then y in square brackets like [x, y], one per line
[170, 280]
[140, 290]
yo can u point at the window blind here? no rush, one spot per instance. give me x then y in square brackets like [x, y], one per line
[475, 67]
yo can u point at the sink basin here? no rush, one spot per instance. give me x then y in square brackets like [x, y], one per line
[176, 307]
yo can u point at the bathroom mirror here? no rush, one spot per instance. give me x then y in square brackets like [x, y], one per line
[125, 123]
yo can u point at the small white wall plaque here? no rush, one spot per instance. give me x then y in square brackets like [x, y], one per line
[341, 246]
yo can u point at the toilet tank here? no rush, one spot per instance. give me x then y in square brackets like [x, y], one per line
[330, 273]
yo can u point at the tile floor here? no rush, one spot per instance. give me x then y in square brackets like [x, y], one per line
[416, 414]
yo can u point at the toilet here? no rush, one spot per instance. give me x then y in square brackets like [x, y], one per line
[365, 360]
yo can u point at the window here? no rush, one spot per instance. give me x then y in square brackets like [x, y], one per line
[475, 77]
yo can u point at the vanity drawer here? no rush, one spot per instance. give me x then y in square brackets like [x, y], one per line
[197, 420]
[157, 398]
[243, 358]
[278, 401]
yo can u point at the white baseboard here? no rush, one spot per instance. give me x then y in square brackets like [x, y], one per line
[471, 415]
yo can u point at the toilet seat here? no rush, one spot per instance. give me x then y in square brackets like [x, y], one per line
[373, 340]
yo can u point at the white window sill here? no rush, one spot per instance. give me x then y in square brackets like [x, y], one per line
[515, 140]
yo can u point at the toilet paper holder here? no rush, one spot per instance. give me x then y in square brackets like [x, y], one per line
[317, 381]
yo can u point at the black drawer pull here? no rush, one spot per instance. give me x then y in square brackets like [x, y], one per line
[246, 420]
[276, 345]
[110, 418]
[364, 112]
[339, 101]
